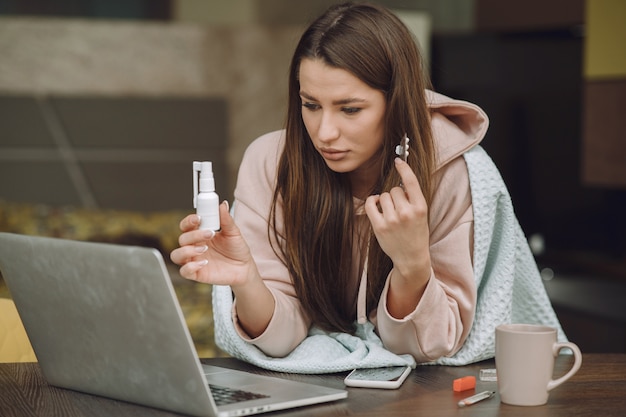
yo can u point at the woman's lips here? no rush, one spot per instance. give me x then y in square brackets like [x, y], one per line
[333, 154]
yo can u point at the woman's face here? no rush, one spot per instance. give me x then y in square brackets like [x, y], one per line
[344, 118]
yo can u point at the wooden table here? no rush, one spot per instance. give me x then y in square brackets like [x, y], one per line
[598, 389]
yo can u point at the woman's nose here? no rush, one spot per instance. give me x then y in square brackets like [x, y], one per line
[327, 129]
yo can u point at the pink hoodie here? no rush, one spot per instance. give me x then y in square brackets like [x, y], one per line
[441, 321]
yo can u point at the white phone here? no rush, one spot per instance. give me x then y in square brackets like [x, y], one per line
[390, 377]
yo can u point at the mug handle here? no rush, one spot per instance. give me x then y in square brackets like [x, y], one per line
[578, 360]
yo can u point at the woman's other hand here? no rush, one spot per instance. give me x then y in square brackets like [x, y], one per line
[399, 220]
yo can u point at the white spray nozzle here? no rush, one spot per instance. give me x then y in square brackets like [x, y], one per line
[204, 170]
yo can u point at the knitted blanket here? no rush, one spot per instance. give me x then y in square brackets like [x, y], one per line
[510, 290]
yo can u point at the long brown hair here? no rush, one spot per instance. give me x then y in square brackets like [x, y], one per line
[317, 205]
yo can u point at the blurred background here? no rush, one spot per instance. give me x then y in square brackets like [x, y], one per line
[105, 103]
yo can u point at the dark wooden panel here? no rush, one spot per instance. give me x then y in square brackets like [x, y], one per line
[604, 135]
[42, 182]
[528, 15]
[131, 153]
[21, 123]
[138, 122]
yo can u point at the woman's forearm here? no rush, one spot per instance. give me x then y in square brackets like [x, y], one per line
[255, 307]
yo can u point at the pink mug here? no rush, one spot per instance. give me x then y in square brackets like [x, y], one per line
[525, 356]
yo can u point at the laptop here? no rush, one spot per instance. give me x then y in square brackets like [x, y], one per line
[104, 319]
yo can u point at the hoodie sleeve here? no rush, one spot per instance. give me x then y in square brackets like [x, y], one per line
[253, 195]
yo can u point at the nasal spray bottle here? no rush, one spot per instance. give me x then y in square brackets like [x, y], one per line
[206, 202]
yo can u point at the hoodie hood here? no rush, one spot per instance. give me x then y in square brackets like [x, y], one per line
[457, 126]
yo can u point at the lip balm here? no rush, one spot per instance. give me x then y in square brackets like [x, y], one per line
[476, 398]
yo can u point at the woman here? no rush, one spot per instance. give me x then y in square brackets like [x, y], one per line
[331, 226]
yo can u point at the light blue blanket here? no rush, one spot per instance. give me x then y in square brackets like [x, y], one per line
[510, 290]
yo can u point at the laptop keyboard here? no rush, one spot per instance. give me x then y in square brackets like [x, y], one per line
[225, 395]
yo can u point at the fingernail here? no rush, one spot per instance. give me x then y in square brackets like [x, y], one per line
[398, 160]
[208, 234]
[201, 248]
[198, 220]
[202, 263]
[226, 203]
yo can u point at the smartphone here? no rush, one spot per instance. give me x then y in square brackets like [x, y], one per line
[390, 377]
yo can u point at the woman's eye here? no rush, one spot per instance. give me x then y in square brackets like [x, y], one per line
[310, 106]
[350, 110]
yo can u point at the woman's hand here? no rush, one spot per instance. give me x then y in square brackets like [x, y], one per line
[224, 258]
[221, 258]
[399, 220]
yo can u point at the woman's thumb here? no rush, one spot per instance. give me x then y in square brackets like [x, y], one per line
[226, 221]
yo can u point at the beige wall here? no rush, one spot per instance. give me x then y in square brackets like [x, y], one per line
[447, 15]
[238, 12]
